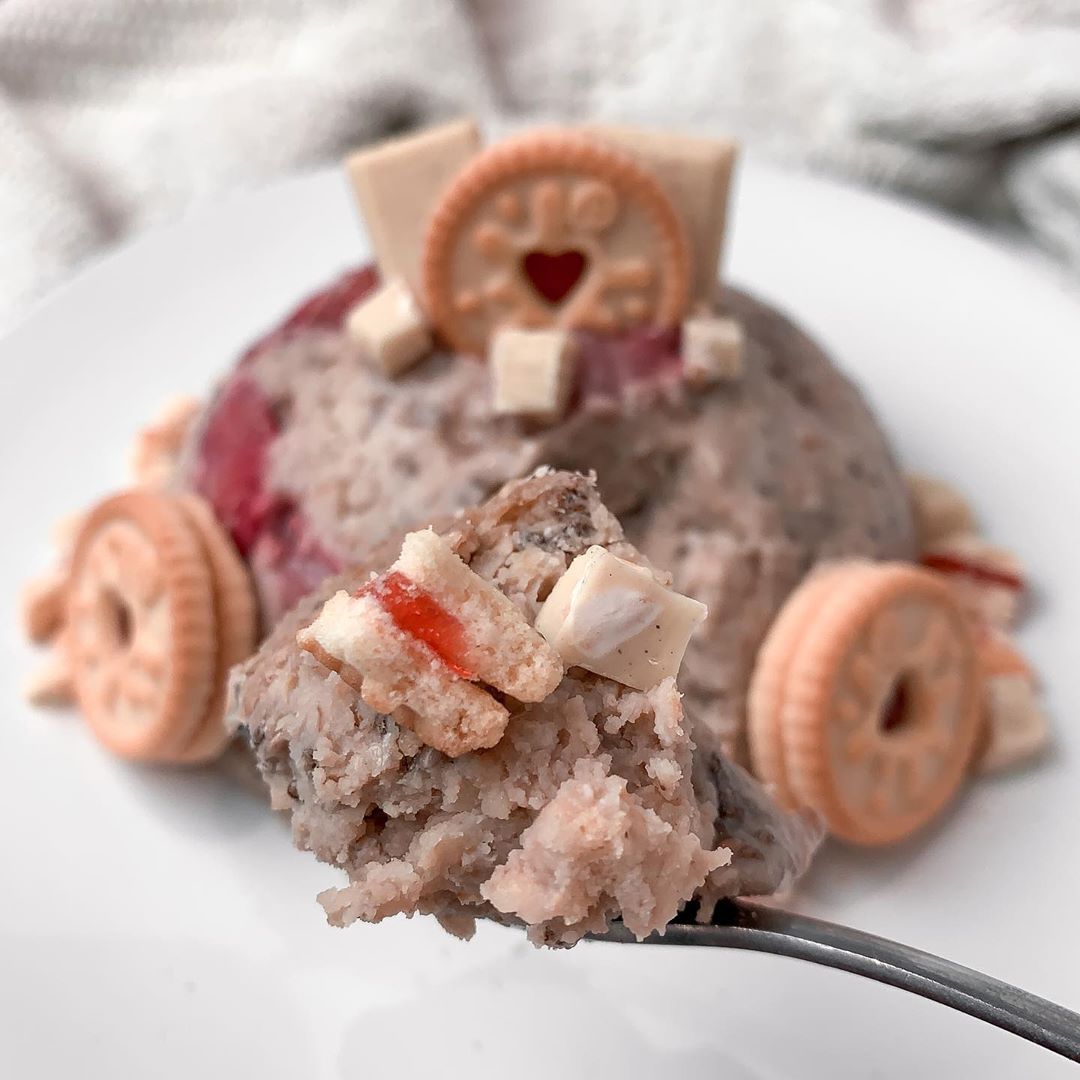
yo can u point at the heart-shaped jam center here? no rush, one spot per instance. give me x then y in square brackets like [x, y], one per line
[554, 274]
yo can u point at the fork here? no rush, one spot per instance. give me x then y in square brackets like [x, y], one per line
[739, 925]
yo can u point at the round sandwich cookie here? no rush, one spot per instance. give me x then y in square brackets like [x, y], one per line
[553, 229]
[768, 685]
[142, 626]
[867, 701]
[236, 625]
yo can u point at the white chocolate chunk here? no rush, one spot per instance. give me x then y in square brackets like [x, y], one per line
[940, 510]
[615, 619]
[695, 173]
[51, 685]
[533, 371]
[396, 183]
[712, 349]
[391, 328]
[1017, 728]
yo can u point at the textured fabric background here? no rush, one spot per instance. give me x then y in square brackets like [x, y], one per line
[118, 113]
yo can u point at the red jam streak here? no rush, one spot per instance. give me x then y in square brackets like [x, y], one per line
[417, 613]
[230, 473]
[268, 527]
[231, 465]
[985, 575]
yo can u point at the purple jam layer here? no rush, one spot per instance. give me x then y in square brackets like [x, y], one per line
[230, 469]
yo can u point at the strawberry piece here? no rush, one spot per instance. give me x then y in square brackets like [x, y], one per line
[417, 613]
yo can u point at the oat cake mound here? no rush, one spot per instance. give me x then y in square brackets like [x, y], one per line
[311, 458]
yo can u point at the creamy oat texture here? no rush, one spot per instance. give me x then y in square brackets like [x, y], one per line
[595, 804]
[737, 488]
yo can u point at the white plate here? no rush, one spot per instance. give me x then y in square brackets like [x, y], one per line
[159, 924]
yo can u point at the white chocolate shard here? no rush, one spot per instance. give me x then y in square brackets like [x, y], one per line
[396, 183]
[695, 173]
[391, 329]
[1017, 730]
[52, 685]
[533, 372]
[712, 349]
[940, 510]
[615, 619]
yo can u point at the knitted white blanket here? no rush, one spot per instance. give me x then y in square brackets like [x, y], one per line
[116, 113]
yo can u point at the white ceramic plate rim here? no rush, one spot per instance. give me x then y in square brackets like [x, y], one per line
[157, 923]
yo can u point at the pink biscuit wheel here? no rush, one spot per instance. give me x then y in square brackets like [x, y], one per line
[140, 613]
[768, 685]
[236, 623]
[879, 706]
[553, 229]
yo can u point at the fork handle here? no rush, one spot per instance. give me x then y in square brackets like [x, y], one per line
[764, 929]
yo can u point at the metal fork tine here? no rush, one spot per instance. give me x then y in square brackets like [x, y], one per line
[738, 925]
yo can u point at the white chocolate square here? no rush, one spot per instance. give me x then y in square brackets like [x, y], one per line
[940, 510]
[615, 619]
[391, 328]
[52, 684]
[396, 183]
[533, 372]
[1017, 728]
[695, 173]
[712, 349]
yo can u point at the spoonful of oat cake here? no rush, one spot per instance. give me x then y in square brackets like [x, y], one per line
[488, 725]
